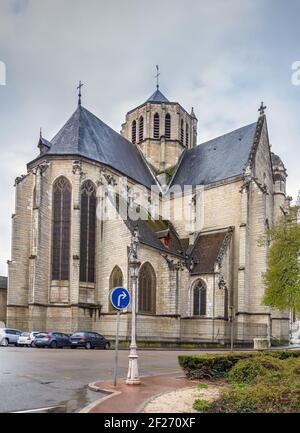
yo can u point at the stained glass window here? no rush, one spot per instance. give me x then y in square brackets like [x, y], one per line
[115, 280]
[87, 232]
[61, 229]
[199, 305]
[147, 289]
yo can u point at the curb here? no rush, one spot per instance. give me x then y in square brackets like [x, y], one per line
[110, 393]
[93, 387]
[142, 406]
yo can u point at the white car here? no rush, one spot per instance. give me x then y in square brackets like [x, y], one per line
[27, 339]
[295, 340]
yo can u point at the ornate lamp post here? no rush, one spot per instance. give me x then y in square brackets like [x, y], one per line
[134, 265]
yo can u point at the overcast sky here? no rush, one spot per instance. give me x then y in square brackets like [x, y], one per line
[221, 56]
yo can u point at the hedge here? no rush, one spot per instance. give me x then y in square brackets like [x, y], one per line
[217, 366]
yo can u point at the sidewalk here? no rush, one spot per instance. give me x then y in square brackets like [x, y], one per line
[132, 398]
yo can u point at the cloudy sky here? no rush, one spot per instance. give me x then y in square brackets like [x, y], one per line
[221, 56]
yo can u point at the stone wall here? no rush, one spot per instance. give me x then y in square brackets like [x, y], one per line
[3, 303]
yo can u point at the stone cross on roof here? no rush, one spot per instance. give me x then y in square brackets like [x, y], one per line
[79, 92]
[262, 108]
[156, 76]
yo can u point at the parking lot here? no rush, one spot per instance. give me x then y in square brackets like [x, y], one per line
[56, 379]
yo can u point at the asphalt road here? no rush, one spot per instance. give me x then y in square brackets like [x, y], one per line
[32, 378]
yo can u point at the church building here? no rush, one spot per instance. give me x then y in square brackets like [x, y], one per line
[199, 279]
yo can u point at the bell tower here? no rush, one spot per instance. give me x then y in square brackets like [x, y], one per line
[162, 130]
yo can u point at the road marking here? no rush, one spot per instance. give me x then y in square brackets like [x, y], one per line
[38, 410]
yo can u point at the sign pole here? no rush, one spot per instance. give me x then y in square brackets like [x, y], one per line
[117, 347]
[120, 299]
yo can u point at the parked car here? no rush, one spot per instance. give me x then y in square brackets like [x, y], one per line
[51, 339]
[89, 340]
[295, 340]
[9, 336]
[27, 338]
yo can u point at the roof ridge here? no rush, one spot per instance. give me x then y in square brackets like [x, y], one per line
[223, 135]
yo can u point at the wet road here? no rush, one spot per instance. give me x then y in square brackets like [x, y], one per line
[33, 378]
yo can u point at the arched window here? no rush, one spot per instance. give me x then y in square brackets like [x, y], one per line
[141, 129]
[133, 132]
[168, 126]
[181, 132]
[87, 232]
[186, 135]
[156, 126]
[115, 280]
[61, 223]
[199, 295]
[226, 303]
[147, 289]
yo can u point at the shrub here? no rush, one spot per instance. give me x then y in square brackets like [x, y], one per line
[257, 368]
[261, 384]
[202, 386]
[258, 398]
[218, 366]
[201, 405]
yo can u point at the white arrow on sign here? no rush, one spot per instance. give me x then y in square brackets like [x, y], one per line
[121, 296]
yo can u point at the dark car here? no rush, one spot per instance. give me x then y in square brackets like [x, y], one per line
[89, 340]
[52, 339]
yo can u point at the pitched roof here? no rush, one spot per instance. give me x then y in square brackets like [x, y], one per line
[157, 97]
[151, 231]
[205, 252]
[217, 159]
[3, 282]
[86, 135]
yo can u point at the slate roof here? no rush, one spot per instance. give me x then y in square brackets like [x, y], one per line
[276, 160]
[205, 252]
[3, 282]
[150, 230]
[217, 159]
[157, 97]
[86, 135]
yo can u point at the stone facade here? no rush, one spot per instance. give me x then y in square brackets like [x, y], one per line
[160, 151]
[243, 206]
[3, 299]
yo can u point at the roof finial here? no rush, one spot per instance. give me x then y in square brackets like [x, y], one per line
[156, 76]
[40, 132]
[262, 108]
[79, 92]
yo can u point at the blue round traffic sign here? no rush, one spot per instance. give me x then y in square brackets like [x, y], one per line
[120, 298]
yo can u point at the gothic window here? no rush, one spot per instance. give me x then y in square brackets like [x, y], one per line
[133, 132]
[61, 223]
[156, 126]
[186, 135]
[141, 129]
[199, 295]
[226, 303]
[181, 132]
[168, 126]
[147, 289]
[87, 232]
[115, 280]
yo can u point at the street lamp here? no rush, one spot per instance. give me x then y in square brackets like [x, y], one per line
[134, 265]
